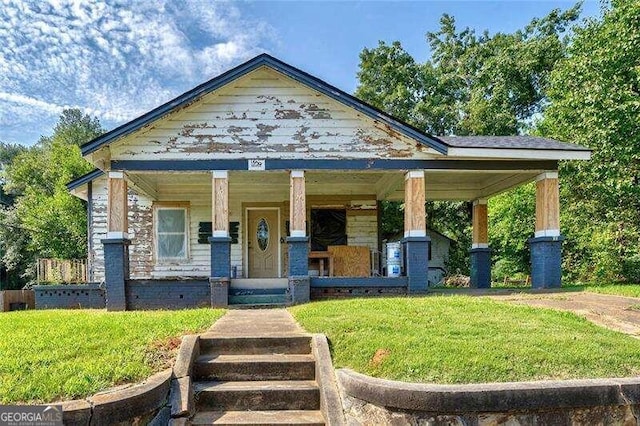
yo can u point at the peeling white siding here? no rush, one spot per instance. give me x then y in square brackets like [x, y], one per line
[362, 230]
[266, 115]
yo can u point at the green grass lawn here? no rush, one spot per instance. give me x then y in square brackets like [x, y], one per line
[630, 290]
[461, 339]
[47, 356]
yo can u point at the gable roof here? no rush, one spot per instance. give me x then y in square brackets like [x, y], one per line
[282, 67]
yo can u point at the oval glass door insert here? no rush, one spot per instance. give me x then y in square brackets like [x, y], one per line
[262, 234]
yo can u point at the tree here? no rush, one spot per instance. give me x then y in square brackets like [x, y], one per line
[473, 85]
[46, 221]
[595, 101]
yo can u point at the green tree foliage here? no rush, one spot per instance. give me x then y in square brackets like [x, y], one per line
[472, 85]
[511, 224]
[45, 220]
[595, 101]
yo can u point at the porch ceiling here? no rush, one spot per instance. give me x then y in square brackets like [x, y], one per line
[389, 185]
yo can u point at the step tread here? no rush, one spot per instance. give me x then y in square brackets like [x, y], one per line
[260, 358]
[253, 385]
[274, 417]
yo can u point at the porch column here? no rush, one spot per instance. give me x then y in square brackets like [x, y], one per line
[546, 246]
[480, 252]
[116, 245]
[298, 242]
[220, 240]
[415, 242]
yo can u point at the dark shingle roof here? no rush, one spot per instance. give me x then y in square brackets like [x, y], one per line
[509, 142]
[94, 174]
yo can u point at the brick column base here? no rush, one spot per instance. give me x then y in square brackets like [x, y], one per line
[116, 272]
[416, 263]
[299, 289]
[298, 273]
[480, 267]
[220, 256]
[546, 262]
[219, 292]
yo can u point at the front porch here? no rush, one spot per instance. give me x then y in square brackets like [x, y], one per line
[257, 235]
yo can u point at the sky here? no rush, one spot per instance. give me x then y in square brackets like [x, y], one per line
[119, 59]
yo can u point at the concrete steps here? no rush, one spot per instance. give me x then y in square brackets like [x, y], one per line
[255, 367]
[258, 345]
[267, 394]
[266, 418]
[266, 379]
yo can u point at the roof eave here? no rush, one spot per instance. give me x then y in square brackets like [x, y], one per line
[520, 153]
[84, 179]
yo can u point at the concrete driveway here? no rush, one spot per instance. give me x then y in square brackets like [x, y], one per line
[616, 312]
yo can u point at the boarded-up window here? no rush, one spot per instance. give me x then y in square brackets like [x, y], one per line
[171, 233]
[328, 228]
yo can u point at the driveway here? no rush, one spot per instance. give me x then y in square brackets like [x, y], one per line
[616, 312]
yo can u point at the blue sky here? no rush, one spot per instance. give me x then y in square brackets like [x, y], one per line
[119, 59]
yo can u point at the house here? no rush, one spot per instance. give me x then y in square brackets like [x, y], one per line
[229, 192]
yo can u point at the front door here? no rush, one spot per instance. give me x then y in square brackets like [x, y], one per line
[263, 242]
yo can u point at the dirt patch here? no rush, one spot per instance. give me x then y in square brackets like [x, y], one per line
[614, 312]
[380, 355]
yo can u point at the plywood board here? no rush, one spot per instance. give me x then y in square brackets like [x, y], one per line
[351, 261]
[117, 207]
[220, 200]
[298, 213]
[547, 204]
[479, 218]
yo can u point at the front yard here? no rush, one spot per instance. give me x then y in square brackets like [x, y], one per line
[47, 356]
[461, 339]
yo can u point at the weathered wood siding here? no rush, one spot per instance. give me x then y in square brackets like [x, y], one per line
[140, 217]
[361, 225]
[362, 229]
[266, 115]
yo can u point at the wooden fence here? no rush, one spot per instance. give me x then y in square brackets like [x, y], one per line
[72, 271]
[16, 299]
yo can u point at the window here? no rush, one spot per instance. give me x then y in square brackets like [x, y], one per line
[328, 228]
[172, 239]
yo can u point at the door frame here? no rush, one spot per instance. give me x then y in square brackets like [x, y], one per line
[245, 242]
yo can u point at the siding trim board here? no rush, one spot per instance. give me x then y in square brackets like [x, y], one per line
[344, 164]
[243, 69]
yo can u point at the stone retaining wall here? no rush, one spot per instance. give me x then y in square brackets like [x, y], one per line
[129, 404]
[81, 296]
[368, 400]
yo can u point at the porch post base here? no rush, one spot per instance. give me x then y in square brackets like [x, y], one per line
[299, 289]
[298, 273]
[116, 272]
[219, 292]
[220, 256]
[416, 263]
[480, 267]
[298, 256]
[546, 262]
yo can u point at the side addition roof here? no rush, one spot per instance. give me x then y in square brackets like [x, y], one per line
[510, 142]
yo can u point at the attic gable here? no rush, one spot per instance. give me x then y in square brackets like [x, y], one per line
[266, 114]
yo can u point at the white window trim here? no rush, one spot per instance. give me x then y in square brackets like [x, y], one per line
[170, 260]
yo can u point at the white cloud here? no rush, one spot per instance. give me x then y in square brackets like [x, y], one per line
[113, 59]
